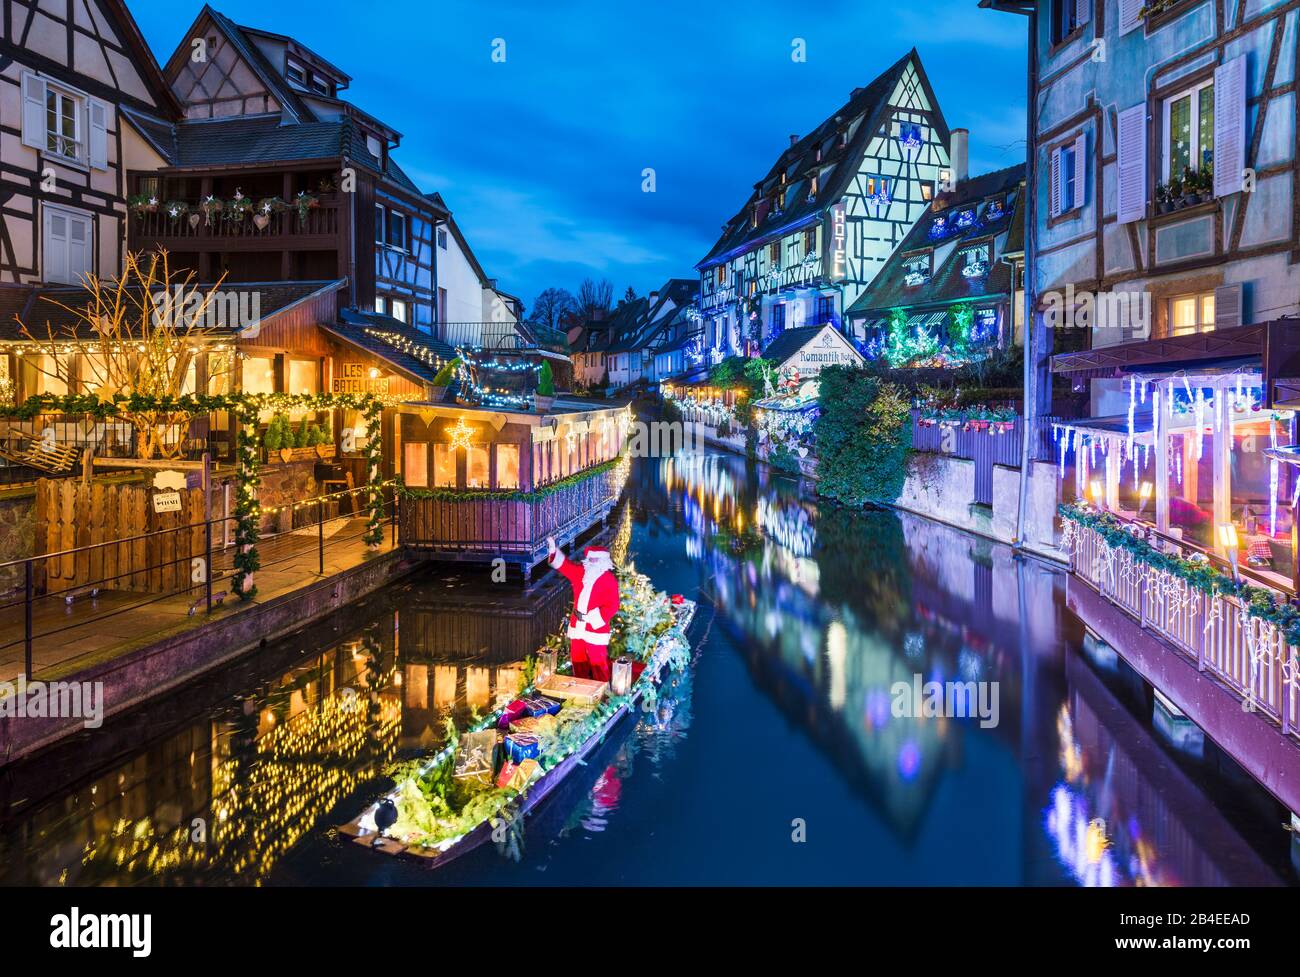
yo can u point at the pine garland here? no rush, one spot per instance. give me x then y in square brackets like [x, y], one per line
[1257, 602]
[514, 495]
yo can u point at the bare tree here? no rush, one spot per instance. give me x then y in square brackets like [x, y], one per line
[551, 307]
[595, 297]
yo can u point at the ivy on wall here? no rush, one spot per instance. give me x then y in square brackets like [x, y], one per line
[863, 436]
[247, 409]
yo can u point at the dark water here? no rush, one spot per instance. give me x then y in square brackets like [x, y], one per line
[784, 729]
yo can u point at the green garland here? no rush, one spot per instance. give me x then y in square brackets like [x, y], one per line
[247, 408]
[510, 495]
[1258, 602]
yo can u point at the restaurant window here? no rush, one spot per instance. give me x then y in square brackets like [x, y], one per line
[258, 375]
[507, 466]
[1191, 313]
[1190, 487]
[1189, 130]
[415, 464]
[444, 466]
[304, 377]
[476, 466]
[53, 374]
[1262, 515]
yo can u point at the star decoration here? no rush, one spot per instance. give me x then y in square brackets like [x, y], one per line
[460, 434]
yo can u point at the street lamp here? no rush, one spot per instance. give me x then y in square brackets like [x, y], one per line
[1144, 493]
[1098, 491]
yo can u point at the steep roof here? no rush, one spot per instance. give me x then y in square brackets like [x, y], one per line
[415, 353]
[867, 107]
[947, 284]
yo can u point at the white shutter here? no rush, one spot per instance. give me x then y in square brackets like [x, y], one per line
[34, 134]
[1227, 306]
[1132, 150]
[1129, 18]
[98, 138]
[1080, 171]
[56, 246]
[1054, 204]
[1229, 125]
[79, 249]
[1082, 12]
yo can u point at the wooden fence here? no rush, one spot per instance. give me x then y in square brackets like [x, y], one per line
[986, 448]
[1250, 657]
[120, 542]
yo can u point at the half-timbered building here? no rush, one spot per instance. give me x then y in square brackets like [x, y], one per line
[821, 223]
[79, 90]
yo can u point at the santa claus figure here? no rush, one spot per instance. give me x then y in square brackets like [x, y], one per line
[595, 602]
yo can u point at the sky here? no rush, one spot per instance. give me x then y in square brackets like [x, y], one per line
[541, 156]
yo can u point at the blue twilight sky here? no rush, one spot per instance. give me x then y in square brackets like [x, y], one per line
[540, 157]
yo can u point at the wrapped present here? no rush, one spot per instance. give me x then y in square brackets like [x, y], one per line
[522, 774]
[507, 772]
[539, 705]
[512, 712]
[526, 724]
[574, 689]
[638, 667]
[476, 756]
[522, 746]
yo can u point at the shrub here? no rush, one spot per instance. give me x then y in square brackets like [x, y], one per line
[445, 375]
[863, 437]
[315, 436]
[300, 438]
[546, 380]
[274, 437]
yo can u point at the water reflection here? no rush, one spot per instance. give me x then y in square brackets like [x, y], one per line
[809, 617]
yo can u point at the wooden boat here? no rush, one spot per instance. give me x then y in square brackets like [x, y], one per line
[362, 828]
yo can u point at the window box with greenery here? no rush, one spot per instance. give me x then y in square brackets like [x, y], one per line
[308, 441]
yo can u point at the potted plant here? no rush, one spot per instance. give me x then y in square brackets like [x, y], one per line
[176, 209]
[1163, 203]
[545, 395]
[304, 202]
[442, 380]
[141, 204]
[264, 209]
[1175, 192]
[210, 206]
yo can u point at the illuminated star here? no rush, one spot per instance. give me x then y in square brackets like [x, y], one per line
[460, 434]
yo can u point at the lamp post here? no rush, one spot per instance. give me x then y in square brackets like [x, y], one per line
[1228, 541]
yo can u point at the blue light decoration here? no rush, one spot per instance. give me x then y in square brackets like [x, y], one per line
[909, 136]
[966, 219]
[940, 226]
[985, 327]
[489, 396]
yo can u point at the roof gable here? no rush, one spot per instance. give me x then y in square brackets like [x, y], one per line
[809, 348]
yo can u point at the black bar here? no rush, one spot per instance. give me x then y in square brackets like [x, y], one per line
[320, 525]
[207, 556]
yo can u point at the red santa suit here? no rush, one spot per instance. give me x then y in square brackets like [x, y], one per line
[595, 602]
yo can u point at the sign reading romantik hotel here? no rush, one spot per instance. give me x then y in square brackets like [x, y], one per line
[810, 348]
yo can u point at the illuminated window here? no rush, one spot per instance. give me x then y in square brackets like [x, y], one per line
[258, 375]
[507, 466]
[399, 309]
[444, 466]
[415, 464]
[304, 377]
[1189, 130]
[476, 466]
[1191, 313]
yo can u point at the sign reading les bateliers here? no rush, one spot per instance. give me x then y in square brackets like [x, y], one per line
[355, 378]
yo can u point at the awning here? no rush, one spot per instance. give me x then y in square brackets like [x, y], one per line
[1113, 426]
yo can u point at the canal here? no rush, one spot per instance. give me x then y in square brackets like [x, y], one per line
[778, 758]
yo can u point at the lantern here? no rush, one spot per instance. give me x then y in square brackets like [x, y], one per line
[545, 668]
[621, 677]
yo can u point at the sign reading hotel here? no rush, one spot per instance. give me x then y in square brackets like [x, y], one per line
[837, 253]
[356, 378]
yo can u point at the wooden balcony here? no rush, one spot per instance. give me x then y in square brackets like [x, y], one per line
[319, 229]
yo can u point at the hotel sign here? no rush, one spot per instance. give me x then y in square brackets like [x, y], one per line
[837, 253]
[356, 378]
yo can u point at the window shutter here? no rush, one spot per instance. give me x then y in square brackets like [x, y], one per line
[98, 143]
[55, 257]
[1080, 170]
[1227, 306]
[1082, 12]
[1229, 125]
[1054, 204]
[1132, 148]
[79, 251]
[1130, 15]
[34, 134]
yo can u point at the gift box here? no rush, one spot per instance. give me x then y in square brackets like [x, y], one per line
[512, 711]
[476, 756]
[521, 747]
[539, 705]
[507, 771]
[522, 774]
[574, 689]
[525, 724]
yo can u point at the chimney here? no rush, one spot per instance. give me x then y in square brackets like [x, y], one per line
[653, 298]
[958, 156]
[794, 138]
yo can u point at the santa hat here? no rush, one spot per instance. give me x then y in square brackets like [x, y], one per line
[597, 557]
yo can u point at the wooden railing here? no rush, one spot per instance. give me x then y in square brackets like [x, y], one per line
[1246, 654]
[469, 528]
[320, 221]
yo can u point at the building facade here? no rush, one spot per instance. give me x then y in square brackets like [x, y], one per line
[820, 225]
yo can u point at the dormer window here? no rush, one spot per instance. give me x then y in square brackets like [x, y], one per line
[321, 86]
[296, 73]
[374, 146]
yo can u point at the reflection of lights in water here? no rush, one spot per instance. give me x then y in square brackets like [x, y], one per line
[1071, 757]
[909, 760]
[969, 664]
[808, 643]
[787, 525]
[837, 652]
[1082, 844]
[876, 709]
[694, 549]
[914, 645]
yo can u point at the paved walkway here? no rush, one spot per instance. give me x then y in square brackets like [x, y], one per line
[94, 629]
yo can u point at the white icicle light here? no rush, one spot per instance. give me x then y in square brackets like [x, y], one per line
[1132, 405]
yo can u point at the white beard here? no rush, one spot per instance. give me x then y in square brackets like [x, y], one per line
[593, 567]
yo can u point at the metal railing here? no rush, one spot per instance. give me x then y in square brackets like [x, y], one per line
[481, 335]
[119, 577]
[1246, 654]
